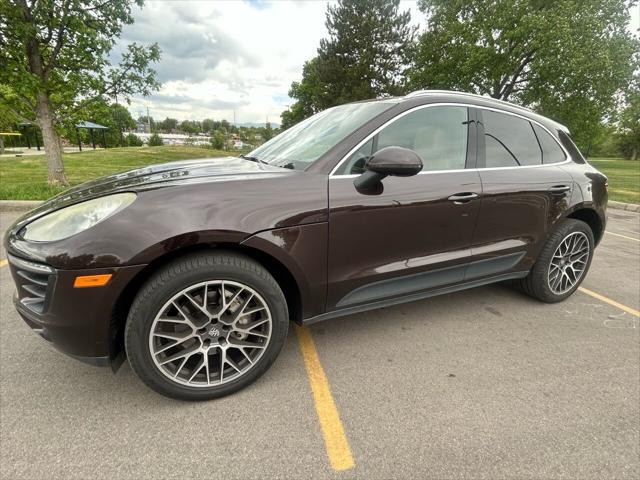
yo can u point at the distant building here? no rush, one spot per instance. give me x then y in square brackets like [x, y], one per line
[142, 127]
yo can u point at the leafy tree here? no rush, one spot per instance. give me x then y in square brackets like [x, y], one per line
[567, 59]
[168, 125]
[629, 127]
[114, 116]
[208, 125]
[365, 56]
[217, 140]
[55, 60]
[190, 126]
[268, 132]
[155, 140]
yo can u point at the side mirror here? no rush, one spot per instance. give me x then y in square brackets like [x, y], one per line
[389, 161]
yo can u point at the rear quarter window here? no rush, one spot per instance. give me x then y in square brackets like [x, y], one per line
[551, 151]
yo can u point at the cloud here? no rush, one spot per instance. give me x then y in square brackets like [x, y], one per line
[224, 57]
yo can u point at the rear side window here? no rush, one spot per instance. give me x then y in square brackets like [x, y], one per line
[551, 151]
[509, 141]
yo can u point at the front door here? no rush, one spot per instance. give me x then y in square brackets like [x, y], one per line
[415, 233]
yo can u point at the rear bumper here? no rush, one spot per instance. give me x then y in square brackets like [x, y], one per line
[80, 322]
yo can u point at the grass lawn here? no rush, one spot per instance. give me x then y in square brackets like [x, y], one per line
[25, 178]
[624, 178]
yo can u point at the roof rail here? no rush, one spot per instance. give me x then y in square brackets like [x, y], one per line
[418, 93]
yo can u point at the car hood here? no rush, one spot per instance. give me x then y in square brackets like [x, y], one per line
[164, 174]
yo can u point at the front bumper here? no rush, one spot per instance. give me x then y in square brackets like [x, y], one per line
[81, 322]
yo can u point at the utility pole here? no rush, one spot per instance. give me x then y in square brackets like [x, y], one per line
[148, 120]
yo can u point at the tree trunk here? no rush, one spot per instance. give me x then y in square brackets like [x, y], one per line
[1, 145]
[51, 139]
[634, 154]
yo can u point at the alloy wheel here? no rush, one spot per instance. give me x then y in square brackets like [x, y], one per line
[210, 333]
[569, 262]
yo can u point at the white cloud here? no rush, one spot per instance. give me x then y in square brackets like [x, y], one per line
[218, 57]
[221, 56]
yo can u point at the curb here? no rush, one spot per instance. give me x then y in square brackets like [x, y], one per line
[26, 205]
[629, 207]
[19, 205]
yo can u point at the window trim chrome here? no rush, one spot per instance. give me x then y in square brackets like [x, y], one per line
[450, 104]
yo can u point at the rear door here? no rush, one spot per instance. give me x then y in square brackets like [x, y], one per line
[524, 192]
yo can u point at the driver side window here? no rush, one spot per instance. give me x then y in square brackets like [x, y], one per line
[437, 134]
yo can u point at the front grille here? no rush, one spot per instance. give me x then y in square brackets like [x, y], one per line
[34, 281]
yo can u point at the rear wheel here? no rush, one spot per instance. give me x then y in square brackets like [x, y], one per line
[562, 264]
[205, 326]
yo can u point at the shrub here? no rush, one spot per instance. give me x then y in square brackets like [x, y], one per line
[132, 140]
[155, 140]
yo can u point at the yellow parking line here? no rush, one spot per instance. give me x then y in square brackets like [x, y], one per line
[335, 440]
[604, 299]
[623, 236]
[3, 262]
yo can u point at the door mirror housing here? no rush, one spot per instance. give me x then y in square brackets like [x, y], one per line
[389, 161]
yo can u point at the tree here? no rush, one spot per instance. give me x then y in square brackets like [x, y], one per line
[217, 140]
[208, 125]
[629, 126]
[55, 61]
[365, 56]
[114, 116]
[168, 125]
[564, 58]
[190, 126]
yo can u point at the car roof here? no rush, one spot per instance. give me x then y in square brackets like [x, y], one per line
[432, 96]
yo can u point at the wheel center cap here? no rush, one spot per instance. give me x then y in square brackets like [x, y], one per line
[213, 331]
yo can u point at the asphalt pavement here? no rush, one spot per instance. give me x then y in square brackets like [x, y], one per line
[485, 383]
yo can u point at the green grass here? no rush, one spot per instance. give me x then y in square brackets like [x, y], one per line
[25, 178]
[624, 178]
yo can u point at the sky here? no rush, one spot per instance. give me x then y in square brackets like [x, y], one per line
[220, 57]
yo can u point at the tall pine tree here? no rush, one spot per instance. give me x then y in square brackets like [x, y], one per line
[365, 56]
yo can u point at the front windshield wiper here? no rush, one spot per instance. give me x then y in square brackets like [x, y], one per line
[253, 159]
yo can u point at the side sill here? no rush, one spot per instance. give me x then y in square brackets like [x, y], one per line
[412, 297]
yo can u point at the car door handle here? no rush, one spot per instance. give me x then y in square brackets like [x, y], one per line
[462, 197]
[559, 188]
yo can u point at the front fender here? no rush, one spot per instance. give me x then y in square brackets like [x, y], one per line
[302, 250]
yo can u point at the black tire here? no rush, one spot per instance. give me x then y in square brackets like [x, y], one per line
[536, 284]
[180, 274]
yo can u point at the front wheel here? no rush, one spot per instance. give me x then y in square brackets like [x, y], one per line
[205, 326]
[562, 264]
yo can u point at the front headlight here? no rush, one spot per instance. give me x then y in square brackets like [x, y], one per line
[74, 219]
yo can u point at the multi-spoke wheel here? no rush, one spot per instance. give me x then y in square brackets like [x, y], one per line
[206, 326]
[569, 262]
[562, 263]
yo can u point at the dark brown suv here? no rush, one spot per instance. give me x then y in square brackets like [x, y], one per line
[194, 269]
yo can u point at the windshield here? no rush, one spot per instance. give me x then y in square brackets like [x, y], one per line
[302, 144]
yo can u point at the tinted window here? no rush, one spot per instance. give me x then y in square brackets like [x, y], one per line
[551, 151]
[509, 141]
[571, 147]
[437, 134]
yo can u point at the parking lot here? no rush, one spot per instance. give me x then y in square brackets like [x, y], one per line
[485, 383]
